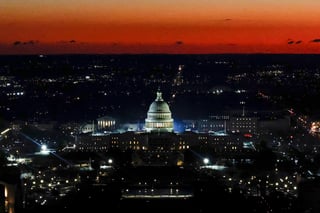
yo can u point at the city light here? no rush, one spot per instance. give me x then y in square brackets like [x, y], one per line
[206, 161]
[112, 131]
[44, 148]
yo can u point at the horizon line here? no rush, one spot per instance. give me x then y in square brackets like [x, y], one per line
[254, 53]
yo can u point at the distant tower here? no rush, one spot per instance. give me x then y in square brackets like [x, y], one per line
[178, 80]
[159, 116]
[177, 83]
[243, 103]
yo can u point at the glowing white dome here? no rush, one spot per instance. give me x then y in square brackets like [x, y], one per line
[159, 116]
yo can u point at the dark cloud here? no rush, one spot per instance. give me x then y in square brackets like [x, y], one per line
[31, 42]
[316, 40]
[290, 42]
[16, 43]
[227, 19]
[67, 42]
[179, 42]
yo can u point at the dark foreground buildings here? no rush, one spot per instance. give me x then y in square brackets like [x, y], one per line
[158, 169]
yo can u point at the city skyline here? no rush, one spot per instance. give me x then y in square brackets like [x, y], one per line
[59, 27]
[94, 132]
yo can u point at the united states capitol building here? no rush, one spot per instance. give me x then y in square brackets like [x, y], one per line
[159, 116]
[157, 136]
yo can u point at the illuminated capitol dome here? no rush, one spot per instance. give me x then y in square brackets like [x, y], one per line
[159, 116]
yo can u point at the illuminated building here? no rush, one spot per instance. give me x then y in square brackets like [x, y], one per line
[106, 123]
[90, 143]
[213, 124]
[159, 116]
[315, 127]
[86, 128]
[243, 124]
[129, 140]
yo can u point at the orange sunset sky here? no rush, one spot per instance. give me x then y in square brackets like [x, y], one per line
[159, 26]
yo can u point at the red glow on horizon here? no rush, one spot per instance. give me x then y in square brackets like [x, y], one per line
[159, 27]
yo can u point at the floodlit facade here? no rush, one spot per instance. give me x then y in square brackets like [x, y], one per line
[106, 123]
[159, 116]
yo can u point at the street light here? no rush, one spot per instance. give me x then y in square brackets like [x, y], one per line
[44, 147]
[44, 150]
[110, 161]
[206, 161]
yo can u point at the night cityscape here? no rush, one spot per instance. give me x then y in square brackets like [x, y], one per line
[170, 132]
[194, 106]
